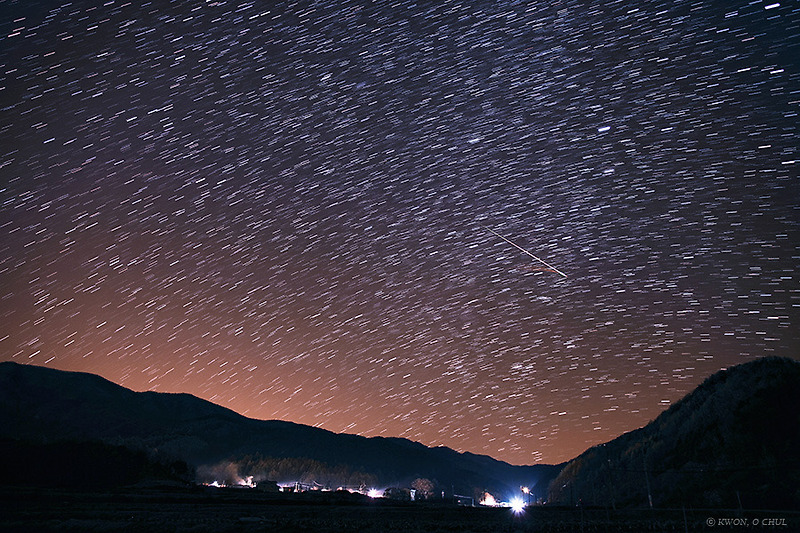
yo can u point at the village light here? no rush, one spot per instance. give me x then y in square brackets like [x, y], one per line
[517, 505]
[374, 493]
[488, 500]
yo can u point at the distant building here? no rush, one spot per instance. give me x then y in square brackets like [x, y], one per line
[268, 486]
[398, 494]
[465, 501]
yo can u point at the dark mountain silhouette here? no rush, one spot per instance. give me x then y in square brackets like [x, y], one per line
[41, 405]
[95, 464]
[732, 442]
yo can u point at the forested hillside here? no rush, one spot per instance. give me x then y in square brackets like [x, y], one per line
[733, 439]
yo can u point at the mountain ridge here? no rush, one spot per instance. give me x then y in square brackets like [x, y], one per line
[732, 441]
[38, 403]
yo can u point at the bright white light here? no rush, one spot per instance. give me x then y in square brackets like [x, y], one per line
[517, 505]
[374, 493]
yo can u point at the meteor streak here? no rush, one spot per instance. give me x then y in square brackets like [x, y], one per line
[523, 250]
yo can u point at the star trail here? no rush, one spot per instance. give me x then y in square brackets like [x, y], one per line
[281, 207]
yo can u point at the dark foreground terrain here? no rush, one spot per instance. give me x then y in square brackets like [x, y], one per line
[195, 510]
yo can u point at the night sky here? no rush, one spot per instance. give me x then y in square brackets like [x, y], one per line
[298, 211]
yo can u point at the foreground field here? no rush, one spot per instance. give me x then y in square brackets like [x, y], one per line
[248, 511]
